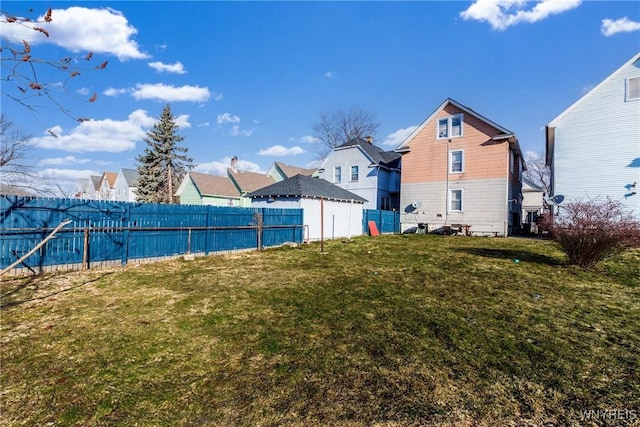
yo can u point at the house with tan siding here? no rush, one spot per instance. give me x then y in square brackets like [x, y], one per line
[593, 147]
[280, 171]
[461, 169]
[204, 189]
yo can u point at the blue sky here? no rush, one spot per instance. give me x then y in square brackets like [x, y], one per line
[251, 79]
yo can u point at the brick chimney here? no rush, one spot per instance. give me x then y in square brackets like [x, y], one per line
[234, 163]
[369, 139]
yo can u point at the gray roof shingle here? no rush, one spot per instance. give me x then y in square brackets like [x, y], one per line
[378, 155]
[306, 186]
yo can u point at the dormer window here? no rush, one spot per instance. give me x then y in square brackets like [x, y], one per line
[449, 127]
[633, 88]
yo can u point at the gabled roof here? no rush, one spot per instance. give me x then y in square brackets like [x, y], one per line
[306, 186]
[289, 171]
[530, 186]
[506, 133]
[377, 155]
[130, 176]
[249, 181]
[110, 177]
[96, 180]
[212, 185]
[588, 95]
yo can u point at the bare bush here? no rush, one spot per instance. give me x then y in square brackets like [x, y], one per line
[590, 231]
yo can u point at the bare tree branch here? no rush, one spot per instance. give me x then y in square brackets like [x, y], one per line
[339, 126]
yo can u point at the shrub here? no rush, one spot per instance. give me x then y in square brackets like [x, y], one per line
[590, 231]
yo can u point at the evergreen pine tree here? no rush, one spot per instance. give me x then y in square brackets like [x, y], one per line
[164, 163]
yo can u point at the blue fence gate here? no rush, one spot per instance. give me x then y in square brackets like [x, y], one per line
[103, 232]
[386, 221]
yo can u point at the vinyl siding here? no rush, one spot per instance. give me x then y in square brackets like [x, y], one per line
[483, 157]
[367, 184]
[484, 205]
[190, 195]
[597, 144]
[336, 216]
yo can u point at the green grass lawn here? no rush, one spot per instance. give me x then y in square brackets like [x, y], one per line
[392, 330]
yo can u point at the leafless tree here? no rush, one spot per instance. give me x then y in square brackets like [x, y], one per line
[339, 126]
[538, 173]
[21, 67]
[16, 162]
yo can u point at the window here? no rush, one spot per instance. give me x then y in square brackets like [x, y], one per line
[337, 174]
[385, 203]
[633, 88]
[455, 200]
[354, 173]
[455, 161]
[449, 127]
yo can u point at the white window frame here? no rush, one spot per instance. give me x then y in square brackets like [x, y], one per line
[451, 200]
[451, 152]
[448, 122]
[337, 174]
[357, 174]
[628, 88]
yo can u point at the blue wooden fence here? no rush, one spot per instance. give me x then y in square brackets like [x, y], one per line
[387, 221]
[106, 232]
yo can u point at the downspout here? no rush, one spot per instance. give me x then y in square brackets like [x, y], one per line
[507, 196]
[446, 194]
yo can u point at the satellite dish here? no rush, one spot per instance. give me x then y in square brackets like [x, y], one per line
[555, 200]
[416, 205]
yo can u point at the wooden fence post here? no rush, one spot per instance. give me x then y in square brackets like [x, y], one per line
[85, 250]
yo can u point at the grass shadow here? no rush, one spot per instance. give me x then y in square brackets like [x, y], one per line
[511, 254]
[4, 305]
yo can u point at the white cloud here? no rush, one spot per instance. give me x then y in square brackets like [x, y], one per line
[114, 92]
[501, 14]
[236, 131]
[79, 29]
[622, 25]
[217, 96]
[162, 92]
[397, 137]
[182, 121]
[66, 175]
[113, 136]
[220, 167]
[279, 151]
[227, 118]
[328, 74]
[204, 124]
[160, 67]
[308, 139]
[62, 161]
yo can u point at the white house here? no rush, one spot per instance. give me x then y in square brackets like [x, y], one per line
[532, 201]
[593, 147]
[366, 170]
[125, 185]
[329, 211]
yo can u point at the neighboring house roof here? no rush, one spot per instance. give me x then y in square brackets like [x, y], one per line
[131, 177]
[96, 180]
[377, 155]
[212, 185]
[550, 128]
[289, 171]
[588, 95]
[506, 133]
[306, 186]
[249, 181]
[530, 186]
[111, 178]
